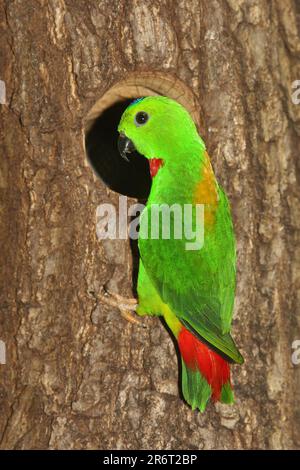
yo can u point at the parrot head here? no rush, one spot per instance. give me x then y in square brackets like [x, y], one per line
[157, 128]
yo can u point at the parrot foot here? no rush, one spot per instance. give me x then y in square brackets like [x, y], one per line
[131, 317]
[124, 305]
[130, 304]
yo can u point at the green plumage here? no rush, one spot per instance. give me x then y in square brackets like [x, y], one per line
[193, 288]
[195, 388]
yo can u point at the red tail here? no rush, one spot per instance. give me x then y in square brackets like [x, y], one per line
[198, 356]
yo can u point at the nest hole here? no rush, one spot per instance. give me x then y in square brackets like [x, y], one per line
[128, 178]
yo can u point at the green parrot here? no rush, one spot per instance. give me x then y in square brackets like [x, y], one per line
[192, 289]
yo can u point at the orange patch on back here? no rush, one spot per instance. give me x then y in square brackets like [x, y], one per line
[206, 193]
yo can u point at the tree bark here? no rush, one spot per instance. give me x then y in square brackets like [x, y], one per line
[76, 375]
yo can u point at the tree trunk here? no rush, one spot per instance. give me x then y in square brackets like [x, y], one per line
[76, 375]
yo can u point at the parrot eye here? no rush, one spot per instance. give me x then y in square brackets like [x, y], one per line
[141, 118]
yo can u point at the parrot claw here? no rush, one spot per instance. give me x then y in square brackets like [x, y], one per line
[130, 304]
[124, 305]
[131, 318]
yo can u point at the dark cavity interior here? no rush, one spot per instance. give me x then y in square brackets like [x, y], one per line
[129, 178]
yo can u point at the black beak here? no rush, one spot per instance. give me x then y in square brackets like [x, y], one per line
[125, 146]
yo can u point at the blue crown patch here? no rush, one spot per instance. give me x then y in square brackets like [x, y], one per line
[136, 101]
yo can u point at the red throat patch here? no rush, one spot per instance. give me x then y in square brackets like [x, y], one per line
[155, 164]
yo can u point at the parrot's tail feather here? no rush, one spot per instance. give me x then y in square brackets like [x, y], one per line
[205, 373]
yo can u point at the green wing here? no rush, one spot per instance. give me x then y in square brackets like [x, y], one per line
[198, 285]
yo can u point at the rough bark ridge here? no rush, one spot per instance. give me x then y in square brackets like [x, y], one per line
[76, 375]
